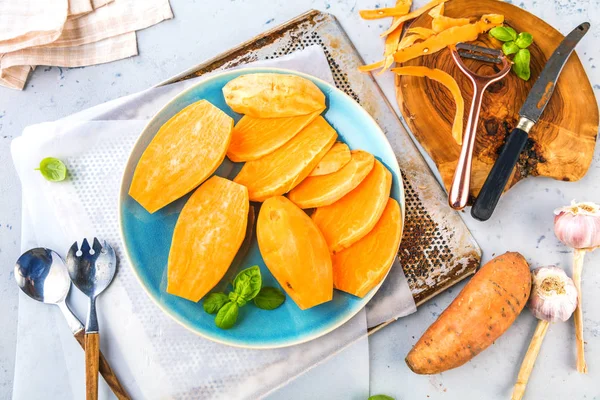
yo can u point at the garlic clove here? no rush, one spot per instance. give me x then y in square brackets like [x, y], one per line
[578, 225]
[553, 294]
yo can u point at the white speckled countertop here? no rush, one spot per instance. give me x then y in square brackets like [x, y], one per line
[523, 221]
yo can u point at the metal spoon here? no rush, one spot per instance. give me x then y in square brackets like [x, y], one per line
[42, 275]
[91, 270]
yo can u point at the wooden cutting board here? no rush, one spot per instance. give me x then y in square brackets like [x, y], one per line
[561, 144]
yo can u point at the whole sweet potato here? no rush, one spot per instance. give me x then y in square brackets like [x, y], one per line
[481, 313]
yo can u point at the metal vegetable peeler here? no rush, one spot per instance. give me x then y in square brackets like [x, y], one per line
[459, 190]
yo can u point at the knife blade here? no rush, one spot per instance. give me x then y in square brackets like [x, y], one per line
[530, 112]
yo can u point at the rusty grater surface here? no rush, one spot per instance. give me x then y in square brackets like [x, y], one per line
[437, 250]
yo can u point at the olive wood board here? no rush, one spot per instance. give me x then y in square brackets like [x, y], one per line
[560, 145]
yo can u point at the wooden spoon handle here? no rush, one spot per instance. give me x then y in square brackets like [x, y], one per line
[105, 370]
[92, 358]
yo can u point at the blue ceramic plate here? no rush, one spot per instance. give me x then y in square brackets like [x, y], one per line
[147, 237]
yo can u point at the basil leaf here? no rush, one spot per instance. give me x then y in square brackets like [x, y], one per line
[53, 169]
[503, 33]
[238, 298]
[214, 302]
[524, 40]
[381, 397]
[247, 283]
[521, 64]
[510, 48]
[269, 298]
[227, 315]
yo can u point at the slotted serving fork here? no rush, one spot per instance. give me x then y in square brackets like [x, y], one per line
[91, 269]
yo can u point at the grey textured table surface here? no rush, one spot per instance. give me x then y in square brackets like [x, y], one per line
[523, 222]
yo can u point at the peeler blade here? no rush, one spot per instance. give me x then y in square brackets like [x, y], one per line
[479, 53]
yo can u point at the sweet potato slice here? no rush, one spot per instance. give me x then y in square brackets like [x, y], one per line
[208, 234]
[441, 23]
[349, 219]
[295, 252]
[266, 95]
[338, 156]
[448, 81]
[280, 171]
[185, 151]
[465, 33]
[253, 137]
[483, 310]
[360, 267]
[319, 191]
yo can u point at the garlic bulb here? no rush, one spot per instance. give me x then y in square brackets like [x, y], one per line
[578, 225]
[553, 298]
[553, 294]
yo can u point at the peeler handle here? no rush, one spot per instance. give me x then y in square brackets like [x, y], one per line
[458, 195]
[494, 185]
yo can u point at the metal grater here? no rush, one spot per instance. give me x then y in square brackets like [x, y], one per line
[437, 250]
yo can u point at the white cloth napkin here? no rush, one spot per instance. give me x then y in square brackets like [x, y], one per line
[70, 33]
[153, 356]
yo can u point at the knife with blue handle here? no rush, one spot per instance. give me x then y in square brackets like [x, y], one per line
[530, 112]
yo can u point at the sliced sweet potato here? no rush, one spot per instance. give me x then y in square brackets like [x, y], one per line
[280, 171]
[441, 23]
[319, 191]
[338, 156]
[349, 219]
[253, 137]
[360, 267]
[267, 95]
[185, 151]
[208, 234]
[465, 33]
[448, 81]
[398, 23]
[295, 252]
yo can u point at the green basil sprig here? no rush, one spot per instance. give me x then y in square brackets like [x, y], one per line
[246, 287]
[214, 302]
[503, 33]
[53, 169]
[517, 45]
[227, 315]
[269, 298]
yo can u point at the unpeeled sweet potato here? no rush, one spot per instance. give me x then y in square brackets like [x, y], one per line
[295, 252]
[268, 95]
[485, 308]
